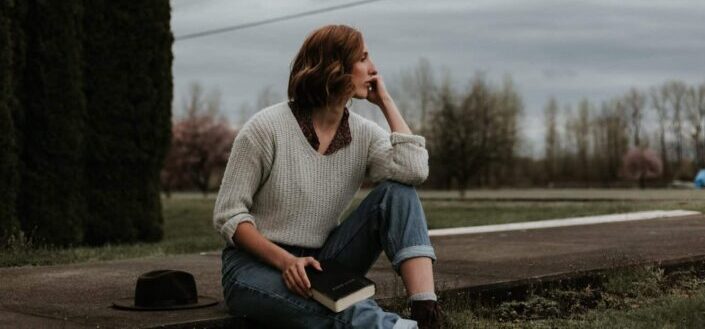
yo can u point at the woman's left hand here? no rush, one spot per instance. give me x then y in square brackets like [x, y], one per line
[378, 94]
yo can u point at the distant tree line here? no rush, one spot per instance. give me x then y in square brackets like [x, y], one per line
[85, 107]
[474, 135]
[595, 143]
[475, 139]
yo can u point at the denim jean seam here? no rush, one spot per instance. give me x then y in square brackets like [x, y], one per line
[390, 242]
[227, 284]
[286, 301]
[372, 210]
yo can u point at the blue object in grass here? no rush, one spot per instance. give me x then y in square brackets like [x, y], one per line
[700, 179]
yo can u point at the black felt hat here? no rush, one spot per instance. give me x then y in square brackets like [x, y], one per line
[165, 290]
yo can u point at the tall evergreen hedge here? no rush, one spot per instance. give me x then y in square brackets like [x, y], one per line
[50, 202]
[9, 225]
[128, 89]
[85, 119]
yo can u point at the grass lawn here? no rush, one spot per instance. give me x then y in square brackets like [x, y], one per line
[637, 298]
[443, 214]
[188, 228]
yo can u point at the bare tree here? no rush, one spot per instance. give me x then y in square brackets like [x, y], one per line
[267, 96]
[508, 112]
[635, 101]
[582, 138]
[658, 102]
[675, 92]
[245, 111]
[566, 153]
[425, 87]
[611, 140]
[198, 103]
[420, 86]
[551, 140]
[475, 138]
[200, 146]
[695, 113]
[474, 135]
[443, 133]
[399, 88]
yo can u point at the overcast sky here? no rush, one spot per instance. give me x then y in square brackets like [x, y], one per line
[570, 50]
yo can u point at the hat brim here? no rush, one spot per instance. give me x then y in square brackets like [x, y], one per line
[128, 303]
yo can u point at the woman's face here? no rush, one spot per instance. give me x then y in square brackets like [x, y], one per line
[362, 71]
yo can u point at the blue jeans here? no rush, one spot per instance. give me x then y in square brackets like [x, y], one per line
[390, 218]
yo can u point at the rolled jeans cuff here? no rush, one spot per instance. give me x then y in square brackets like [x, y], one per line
[405, 324]
[411, 252]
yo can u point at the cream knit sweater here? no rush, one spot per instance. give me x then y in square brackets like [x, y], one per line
[295, 195]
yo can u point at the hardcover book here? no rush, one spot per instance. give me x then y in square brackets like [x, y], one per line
[338, 287]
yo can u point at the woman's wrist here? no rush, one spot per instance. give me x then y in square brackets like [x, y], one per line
[387, 103]
[394, 119]
[284, 260]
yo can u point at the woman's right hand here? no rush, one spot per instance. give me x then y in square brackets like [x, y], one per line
[294, 274]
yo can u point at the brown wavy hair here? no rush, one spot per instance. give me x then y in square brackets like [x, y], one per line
[321, 71]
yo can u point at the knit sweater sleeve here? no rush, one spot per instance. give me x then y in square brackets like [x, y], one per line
[248, 166]
[397, 156]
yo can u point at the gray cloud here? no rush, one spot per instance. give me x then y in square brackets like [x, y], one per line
[551, 48]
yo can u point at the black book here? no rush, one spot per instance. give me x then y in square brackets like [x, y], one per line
[338, 287]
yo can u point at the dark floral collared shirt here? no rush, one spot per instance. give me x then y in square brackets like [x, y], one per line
[342, 136]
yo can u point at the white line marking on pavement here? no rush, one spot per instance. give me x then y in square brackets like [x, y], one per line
[642, 215]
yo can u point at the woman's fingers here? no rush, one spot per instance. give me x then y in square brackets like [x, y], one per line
[300, 281]
[286, 281]
[304, 278]
[378, 90]
[294, 286]
[297, 278]
[317, 265]
[377, 82]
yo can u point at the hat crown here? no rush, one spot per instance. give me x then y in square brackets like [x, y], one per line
[163, 288]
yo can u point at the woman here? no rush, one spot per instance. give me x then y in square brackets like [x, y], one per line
[293, 169]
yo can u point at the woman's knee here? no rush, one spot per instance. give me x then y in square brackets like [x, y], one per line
[398, 189]
[392, 184]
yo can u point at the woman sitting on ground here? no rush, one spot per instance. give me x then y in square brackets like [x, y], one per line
[293, 169]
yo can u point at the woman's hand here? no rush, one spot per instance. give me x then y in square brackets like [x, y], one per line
[295, 277]
[380, 97]
[378, 93]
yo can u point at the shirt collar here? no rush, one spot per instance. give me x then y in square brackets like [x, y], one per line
[341, 139]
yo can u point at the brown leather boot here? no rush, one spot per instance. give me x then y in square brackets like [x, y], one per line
[428, 314]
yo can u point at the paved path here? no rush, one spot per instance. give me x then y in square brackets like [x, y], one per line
[80, 295]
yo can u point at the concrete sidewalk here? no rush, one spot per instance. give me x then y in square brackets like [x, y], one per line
[80, 295]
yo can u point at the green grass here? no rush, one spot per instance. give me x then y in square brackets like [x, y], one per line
[642, 297]
[188, 227]
[443, 214]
